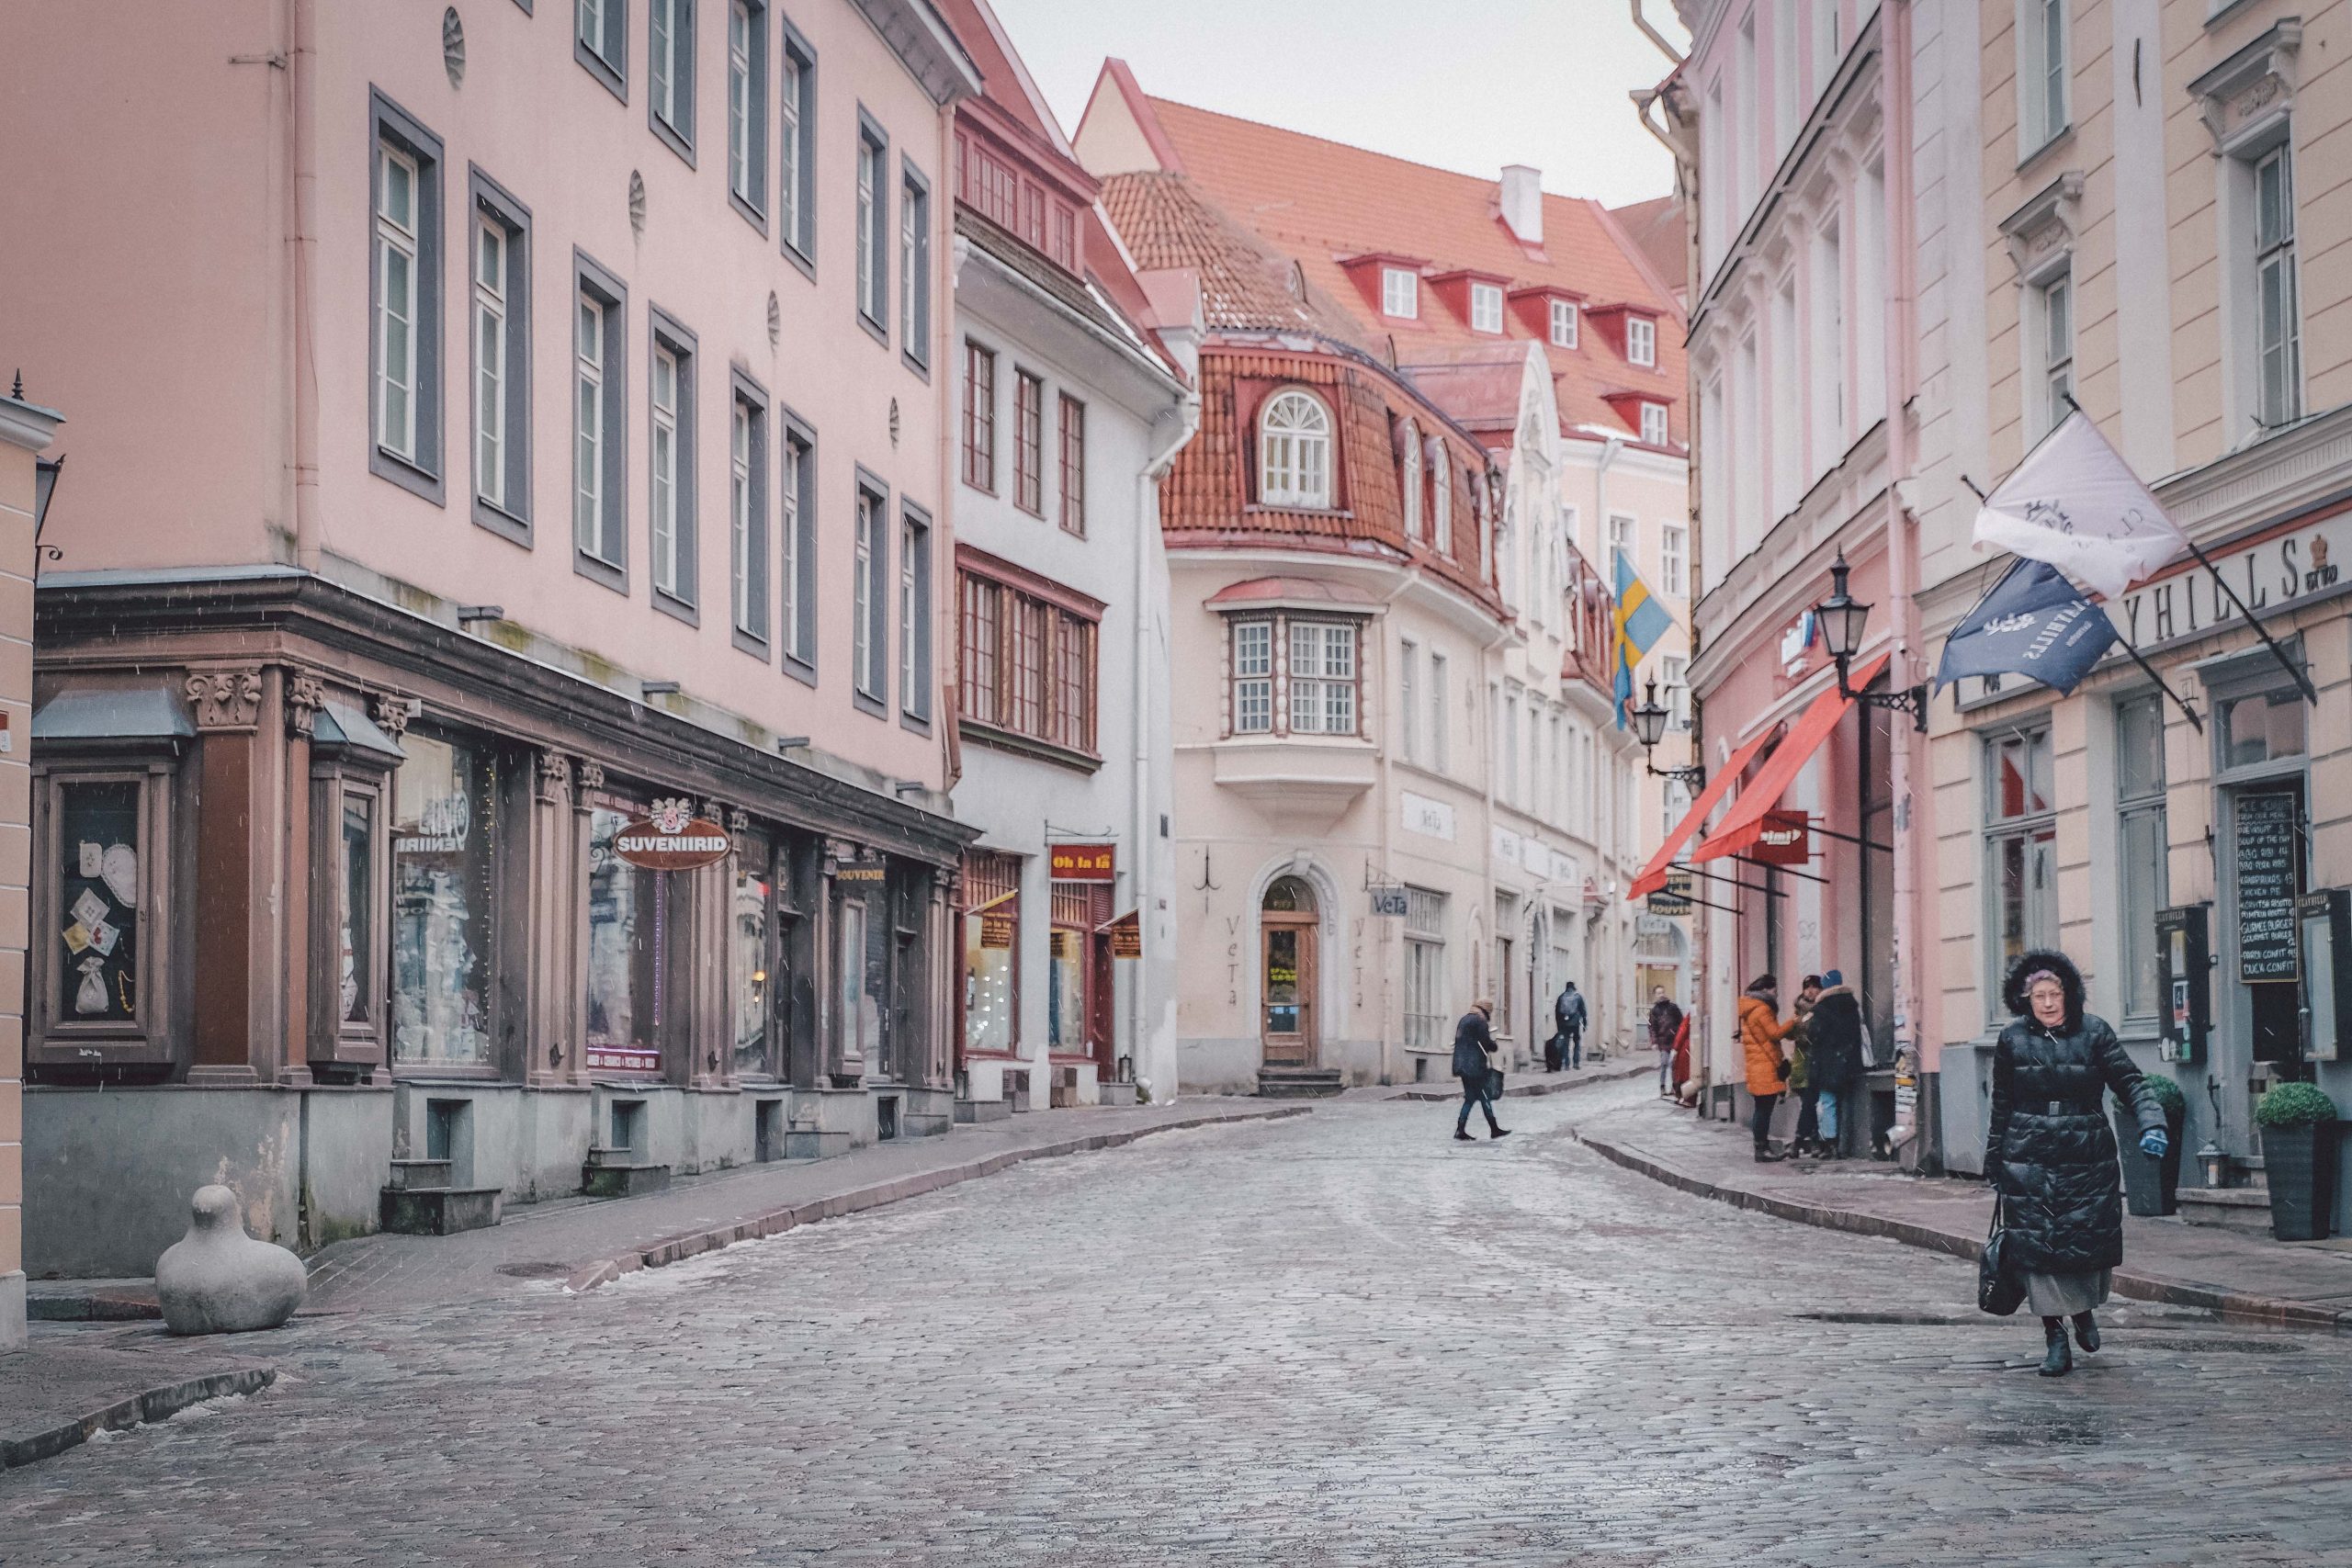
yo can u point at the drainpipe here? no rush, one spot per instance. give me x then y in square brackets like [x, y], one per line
[302, 61]
[1895, 83]
[1654, 36]
[1188, 419]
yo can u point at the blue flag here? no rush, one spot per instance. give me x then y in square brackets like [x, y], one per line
[2034, 622]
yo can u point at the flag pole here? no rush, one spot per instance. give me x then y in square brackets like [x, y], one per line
[2137, 657]
[2301, 676]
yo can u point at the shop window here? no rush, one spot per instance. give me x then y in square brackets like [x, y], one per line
[862, 970]
[2021, 845]
[753, 966]
[444, 834]
[991, 937]
[629, 917]
[348, 950]
[1425, 1017]
[1066, 967]
[2264, 726]
[99, 958]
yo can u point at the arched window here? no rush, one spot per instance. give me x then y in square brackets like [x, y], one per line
[1290, 895]
[1412, 481]
[1441, 496]
[1295, 452]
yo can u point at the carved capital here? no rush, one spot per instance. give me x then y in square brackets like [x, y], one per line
[390, 712]
[225, 699]
[591, 775]
[739, 821]
[305, 695]
[553, 781]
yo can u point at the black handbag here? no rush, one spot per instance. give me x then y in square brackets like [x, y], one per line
[2000, 1286]
[1494, 1083]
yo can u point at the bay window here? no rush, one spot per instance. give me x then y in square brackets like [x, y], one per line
[1027, 652]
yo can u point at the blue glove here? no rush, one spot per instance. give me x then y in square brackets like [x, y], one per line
[2153, 1143]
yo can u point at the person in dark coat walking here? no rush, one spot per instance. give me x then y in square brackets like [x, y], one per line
[1474, 1050]
[2049, 1154]
[1665, 1020]
[1568, 1011]
[1833, 1059]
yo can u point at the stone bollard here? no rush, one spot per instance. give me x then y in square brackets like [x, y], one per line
[217, 1279]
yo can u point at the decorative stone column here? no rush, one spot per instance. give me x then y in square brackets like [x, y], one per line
[305, 694]
[240, 929]
[554, 911]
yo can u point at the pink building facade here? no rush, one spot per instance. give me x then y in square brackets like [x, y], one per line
[533, 422]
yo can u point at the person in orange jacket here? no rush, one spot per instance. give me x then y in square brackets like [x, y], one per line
[1760, 1033]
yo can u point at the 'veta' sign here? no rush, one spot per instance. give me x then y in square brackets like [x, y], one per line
[671, 838]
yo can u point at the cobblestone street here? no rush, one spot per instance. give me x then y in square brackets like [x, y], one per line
[1341, 1338]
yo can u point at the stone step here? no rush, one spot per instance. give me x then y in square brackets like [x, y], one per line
[437, 1210]
[415, 1175]
[2228, 1208]
[615, 1177]
[1299, 1083]
[971, 1112]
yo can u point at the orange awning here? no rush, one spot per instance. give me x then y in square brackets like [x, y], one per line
[1744, 823]
[1652, 876]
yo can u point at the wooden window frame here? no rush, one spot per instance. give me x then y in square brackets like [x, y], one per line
[1028, 666]
[1281, 622]
[1072, 441]
[979, 417]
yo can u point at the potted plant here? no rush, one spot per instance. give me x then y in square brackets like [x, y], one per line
[2150, 1185]
[2299, 1158]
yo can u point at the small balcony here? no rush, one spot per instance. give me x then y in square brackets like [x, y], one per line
[1296, 782]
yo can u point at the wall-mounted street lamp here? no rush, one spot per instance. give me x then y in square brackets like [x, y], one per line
[1841, 619]
[1649, 728]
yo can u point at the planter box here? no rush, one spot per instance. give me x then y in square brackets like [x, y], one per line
[2299, 1163]
[2150, 1188]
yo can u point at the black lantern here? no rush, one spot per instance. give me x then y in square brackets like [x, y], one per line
[1841, 620]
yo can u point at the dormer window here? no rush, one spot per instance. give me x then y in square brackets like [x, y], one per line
[1641, 340]
[1563, 323]
[1486, 308]
[1654, 424]
[1295, 452]
[1400, 293]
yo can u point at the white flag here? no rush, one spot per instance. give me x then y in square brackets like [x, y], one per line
[2076, 503]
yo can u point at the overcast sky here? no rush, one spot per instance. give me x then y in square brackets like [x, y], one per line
[1465, 84]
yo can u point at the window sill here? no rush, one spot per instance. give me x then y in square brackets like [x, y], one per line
[2061, 137]
[682, 609]
[670, 136]
[1298, 511]
[496, 519]
[409, 476]
[596, 65]
[996, 740]
[868, 704]
[917, 722]
[598, 570]
[801, 259]
[750, 643]
[800, 669]
[750, 214]
[874, 329]
[922, 371]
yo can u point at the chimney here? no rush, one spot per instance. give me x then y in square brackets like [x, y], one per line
[1523, 202]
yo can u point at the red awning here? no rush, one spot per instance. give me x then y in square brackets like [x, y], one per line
[1744, 822]
[1652, 876]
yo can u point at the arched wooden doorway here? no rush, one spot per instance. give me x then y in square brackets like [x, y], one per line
[1286, 930]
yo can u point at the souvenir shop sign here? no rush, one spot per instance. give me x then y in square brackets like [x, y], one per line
[1786, 839]
[996, 932]
[671, 838]
[864, 868]
[2269, 857]
[1084, 863]
[1126, 936]
[1674, 899]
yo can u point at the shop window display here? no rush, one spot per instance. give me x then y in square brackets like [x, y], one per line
[97, 973]
[444, 835]
[627, 920]
[991, 937]
[754, 961]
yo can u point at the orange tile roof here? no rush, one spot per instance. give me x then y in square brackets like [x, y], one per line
[1245, 283]
[1317, 201]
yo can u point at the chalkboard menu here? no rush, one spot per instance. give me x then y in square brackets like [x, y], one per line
[2270, 856]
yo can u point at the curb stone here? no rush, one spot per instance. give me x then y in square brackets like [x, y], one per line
[155, 1405]
[1547, 1083]
[691, 1243]
[2233, 1307]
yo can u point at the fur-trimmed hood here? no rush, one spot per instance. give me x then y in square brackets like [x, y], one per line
[2058, 964]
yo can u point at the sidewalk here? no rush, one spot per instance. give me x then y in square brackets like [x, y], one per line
[74, 1382]
[586, 1242]
[2246, 1278]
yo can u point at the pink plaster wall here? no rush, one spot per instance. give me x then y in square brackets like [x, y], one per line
[155, 299]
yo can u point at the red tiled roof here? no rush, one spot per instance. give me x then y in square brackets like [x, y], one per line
[1289, 590]
[1245, 282]
[1656, 228]
[1317, 201]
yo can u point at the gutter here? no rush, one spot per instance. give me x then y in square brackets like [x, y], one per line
[1188, 421]
[302, 61]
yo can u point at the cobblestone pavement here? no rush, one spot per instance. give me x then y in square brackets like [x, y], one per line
[1342, 1338]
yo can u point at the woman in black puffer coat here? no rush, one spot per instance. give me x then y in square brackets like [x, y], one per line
[2049, 1154]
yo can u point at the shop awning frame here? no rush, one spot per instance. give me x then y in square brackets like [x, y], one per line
[1652, 877]
[1744, 823]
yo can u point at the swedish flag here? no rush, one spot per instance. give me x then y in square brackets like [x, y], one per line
[1640, 620]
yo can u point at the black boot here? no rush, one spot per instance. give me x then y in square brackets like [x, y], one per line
[1462, 1134]
[2060, 1360]
[1495, 1132]
[2086, 1332]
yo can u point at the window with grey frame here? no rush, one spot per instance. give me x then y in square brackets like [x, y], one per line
[600, 42]
[2057, 313]
[669, 74]
[2278, 324]
[1425, 1006]
[500, 267]
[869, 597]
[2021, 849]
[873, 225]
[404, 286]
[914, 267]
[599, 437]
[746, 110]
[915, 613]
[671, 529]
[2041, 74]
[796, 533]
[796, 116]
[747, 515]
[2144, 879]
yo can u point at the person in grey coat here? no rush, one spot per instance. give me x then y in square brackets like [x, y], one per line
[1473, 1051]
